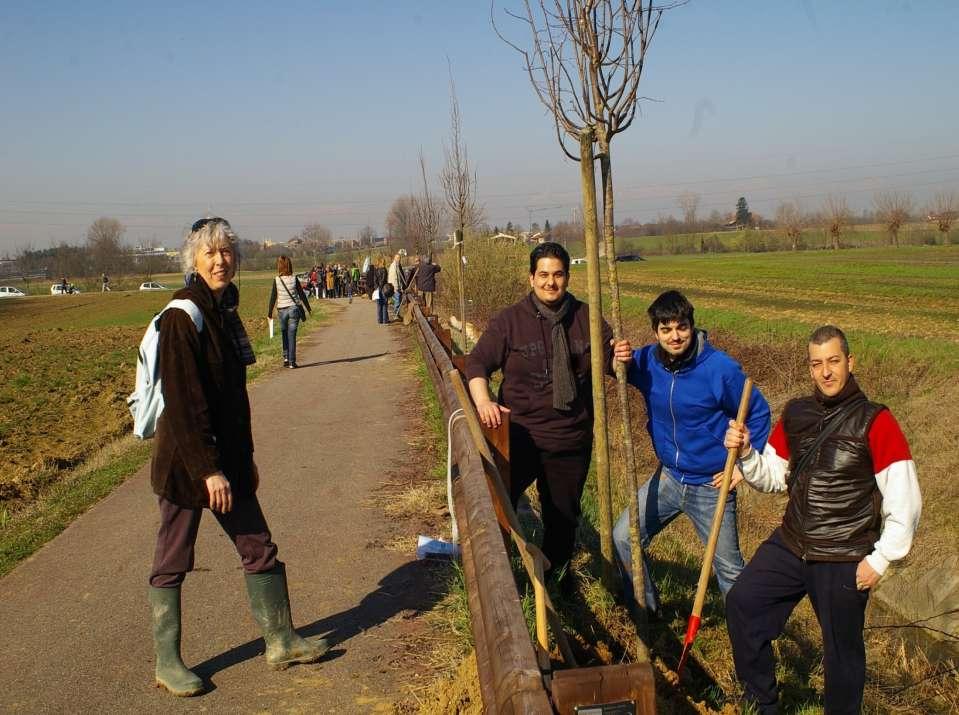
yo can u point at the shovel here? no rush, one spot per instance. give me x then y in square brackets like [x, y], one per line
[692, 627]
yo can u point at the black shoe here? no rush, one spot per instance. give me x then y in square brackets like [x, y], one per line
[293, 366]
[286, 363]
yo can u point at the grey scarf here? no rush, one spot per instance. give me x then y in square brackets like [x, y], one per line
[564, 383]
[229, 304]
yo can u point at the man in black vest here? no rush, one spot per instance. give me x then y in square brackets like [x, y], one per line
[853, 507]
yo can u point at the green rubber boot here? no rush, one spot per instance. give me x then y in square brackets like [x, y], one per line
[170, 671]
[270, 603]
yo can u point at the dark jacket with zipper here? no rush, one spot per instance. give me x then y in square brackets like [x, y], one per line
[426, 276]
[205, 423]
[517, 341]
[834, 510]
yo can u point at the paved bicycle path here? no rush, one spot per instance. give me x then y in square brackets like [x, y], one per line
[74, 621]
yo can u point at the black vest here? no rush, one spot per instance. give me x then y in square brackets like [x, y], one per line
[834, 510]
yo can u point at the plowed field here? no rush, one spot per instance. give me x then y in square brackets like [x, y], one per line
[67, 364]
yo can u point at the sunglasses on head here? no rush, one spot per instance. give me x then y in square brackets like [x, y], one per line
[204, 221]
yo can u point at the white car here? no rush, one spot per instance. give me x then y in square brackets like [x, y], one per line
[58, 289]
[11, 292]
[578, 261]
[150, 285]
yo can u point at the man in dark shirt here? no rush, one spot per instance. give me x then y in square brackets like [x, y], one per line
[541, 344]
[426, 279]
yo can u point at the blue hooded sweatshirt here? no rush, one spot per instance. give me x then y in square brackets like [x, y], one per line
[688, 409]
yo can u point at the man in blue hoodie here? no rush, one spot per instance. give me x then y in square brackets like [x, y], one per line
[691, 390]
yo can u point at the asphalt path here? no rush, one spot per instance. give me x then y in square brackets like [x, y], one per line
[74, 621]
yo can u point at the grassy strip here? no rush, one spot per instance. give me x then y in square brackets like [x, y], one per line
[24, 533]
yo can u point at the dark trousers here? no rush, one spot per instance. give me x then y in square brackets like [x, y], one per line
[759, 604]
[244, 524]
[560, 478]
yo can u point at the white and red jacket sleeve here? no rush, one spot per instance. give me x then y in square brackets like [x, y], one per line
[895, 476]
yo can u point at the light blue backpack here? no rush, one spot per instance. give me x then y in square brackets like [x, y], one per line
[146, 400]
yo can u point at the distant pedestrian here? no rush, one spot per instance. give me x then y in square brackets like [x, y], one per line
[330, 282]
[379, 281]
[203, 458]
[288, 298]
[426, 279]
[394, 276]
[104, 283]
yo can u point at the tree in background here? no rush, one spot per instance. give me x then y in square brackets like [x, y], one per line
[944, 210]
[316, 237]
[428, 213]
[401, 224]
[103, 244]
[789, 219]
[459, 187]
[893, 209]
[689, 203]
[835, 218]
[743, 216]
[366, 235]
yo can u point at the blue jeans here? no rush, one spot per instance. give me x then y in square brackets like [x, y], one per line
[661, 500]
[397, 297]
[289, 321]
[382, 313]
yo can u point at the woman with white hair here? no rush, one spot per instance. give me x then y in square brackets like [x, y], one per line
[203, 458]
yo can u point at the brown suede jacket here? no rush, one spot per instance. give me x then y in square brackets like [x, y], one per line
[205, 423]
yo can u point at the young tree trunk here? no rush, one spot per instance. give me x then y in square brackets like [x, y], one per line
[632, 481]
[597, 351]
[461, 284]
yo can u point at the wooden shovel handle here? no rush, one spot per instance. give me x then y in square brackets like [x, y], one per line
[731, 457]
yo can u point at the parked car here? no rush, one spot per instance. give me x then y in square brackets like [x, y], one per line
[578, 261]
[59, 289]
[151, 285]
[629, 257]
[11, 292]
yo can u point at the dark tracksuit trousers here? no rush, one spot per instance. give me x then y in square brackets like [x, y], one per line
[560, 478]
[244, 524]
[757, 607]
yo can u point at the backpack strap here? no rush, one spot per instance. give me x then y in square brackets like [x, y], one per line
[188, 307]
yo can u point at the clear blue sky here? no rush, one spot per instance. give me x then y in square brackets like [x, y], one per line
[280, 114]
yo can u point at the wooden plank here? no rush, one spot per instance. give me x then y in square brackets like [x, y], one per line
[484, 668]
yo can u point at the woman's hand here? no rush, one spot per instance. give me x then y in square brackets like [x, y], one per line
[221, 496]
